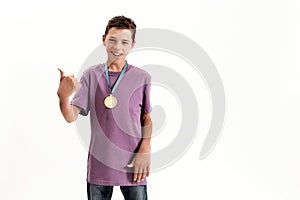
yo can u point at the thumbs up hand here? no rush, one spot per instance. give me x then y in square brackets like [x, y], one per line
[67, 85]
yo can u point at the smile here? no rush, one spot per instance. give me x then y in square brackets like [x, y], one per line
[117, 54]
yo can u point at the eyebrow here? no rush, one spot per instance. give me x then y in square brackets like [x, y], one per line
[112, 37]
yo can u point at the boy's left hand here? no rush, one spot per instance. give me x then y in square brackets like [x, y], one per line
[141, 165]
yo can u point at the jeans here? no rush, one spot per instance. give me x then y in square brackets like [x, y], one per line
[100, 192]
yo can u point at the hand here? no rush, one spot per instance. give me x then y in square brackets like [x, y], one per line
[141, 164]
[67, 85]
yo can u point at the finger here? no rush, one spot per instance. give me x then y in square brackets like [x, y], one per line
[62, 73]
[130, 165]
[135, 175]
[73, 79]
[148, 171]
[139, 175]
[135, 172]
[144, 174]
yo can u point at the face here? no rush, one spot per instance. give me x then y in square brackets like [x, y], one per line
[118, 43]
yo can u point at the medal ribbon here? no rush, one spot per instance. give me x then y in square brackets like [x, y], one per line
[118, 80]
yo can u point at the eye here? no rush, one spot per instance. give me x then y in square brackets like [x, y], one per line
[112, 40]
[125, 43]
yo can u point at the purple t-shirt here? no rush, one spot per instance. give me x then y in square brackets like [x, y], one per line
[115, 133]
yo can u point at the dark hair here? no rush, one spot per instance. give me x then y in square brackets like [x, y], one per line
[121, 22]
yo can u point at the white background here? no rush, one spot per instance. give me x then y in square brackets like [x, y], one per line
[254, 46]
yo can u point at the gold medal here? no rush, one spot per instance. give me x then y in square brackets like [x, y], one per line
[110, 101]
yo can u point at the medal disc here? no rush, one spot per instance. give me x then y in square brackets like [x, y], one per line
[110, 101]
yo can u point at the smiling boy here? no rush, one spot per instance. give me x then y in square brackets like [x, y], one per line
[117, 97]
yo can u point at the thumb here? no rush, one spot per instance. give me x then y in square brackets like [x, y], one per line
[62, 74]
[131, 164]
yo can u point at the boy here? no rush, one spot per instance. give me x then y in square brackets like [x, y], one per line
[116, 94]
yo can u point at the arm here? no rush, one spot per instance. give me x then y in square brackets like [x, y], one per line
[69, 111]
[66, 88]
[147, 133]
[141, 161]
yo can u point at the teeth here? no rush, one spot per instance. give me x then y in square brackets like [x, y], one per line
[116, 54]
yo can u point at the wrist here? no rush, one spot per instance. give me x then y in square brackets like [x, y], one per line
[63, 94]
[63, 99]
[145, 147]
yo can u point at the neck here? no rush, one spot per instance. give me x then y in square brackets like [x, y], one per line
[116, 66]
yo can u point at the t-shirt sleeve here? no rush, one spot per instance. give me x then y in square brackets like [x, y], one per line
[146, 107]
[81, 97]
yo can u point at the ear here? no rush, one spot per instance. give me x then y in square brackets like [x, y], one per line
[103, 39]
[133, 43]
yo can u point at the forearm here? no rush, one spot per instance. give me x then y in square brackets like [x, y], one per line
[146, 133]
[69, 111]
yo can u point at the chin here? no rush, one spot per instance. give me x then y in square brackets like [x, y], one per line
[117, 59]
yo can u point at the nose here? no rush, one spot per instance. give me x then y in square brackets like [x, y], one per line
[118, 45]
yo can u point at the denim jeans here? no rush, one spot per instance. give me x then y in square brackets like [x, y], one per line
[100, 192]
